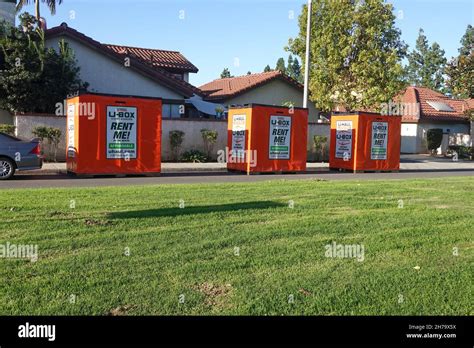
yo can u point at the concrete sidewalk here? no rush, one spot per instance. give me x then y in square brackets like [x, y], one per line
[408, 163]
[60, 168]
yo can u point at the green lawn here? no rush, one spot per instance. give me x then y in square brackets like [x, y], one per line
[189, 255]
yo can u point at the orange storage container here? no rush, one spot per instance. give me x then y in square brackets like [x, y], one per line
[109, 134]
[364, 141]
[264, 138]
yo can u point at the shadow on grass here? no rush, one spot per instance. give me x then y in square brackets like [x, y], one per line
[194, 210]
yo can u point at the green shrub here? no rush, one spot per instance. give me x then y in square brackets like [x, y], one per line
[434, 137]
[462, 151]
[209, 137]
[7, 128]
[176, 140]
[194, 156]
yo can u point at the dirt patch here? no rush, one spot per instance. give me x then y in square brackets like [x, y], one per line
[121, 310]
[92, 222]
[305, 292]
[441, 206]
[216, 295]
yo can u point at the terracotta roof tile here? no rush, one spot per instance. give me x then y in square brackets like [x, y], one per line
[422, 95]
[233, 86]
[158, 58]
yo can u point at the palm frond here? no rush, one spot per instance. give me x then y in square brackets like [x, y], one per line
[22, 3]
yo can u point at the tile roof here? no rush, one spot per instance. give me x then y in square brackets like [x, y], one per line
[422, 95]
[158, 58]
[155, 73]
[230, 87]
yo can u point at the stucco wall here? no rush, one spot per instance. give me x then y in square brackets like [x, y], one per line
[192, 137]
[274, 93]
[105, 75]
[25, 124]
[414, 135]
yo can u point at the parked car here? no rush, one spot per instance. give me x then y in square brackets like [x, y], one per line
[16, 154]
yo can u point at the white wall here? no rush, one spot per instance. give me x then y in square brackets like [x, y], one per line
[414, 135]
[411, 141]
[192, 135]
[105, 75]
[275, 92]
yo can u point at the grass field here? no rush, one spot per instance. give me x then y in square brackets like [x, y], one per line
[241, 249]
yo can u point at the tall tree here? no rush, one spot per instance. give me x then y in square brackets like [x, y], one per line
[267, 68]
[356, 53]
[460, 70]
[289, 66]
[297, 71]
[467, 41]
[426, 64]
[280, 65]
[225, 73]
[34, 78]
[50, 3]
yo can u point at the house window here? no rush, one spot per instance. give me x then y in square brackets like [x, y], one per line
[171, 110]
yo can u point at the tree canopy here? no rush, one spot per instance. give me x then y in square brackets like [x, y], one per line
[426, 64]
[460, 70]
[34, 78]
[356, 53]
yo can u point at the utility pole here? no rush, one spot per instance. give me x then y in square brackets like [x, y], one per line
[306, 63]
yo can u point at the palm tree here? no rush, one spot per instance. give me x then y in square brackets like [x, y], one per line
[50, 3]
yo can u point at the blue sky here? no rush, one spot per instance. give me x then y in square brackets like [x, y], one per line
[243, 35]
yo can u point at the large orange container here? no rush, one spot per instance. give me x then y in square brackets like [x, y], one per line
[264, 138]
[364, 141]
[109, 134]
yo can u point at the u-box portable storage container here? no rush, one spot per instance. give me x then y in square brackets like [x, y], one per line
[113, 135]
[265, 138]
[364, 141]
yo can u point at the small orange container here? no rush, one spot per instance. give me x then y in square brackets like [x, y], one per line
[111, 135]
[264, 138]
[364, 141]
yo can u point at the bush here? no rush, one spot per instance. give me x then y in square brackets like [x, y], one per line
[7, 128]
[52, 135]
[209, 138]
[194, 156]
[176, 140]
[434, 137]
[462, 151]
[320, 144]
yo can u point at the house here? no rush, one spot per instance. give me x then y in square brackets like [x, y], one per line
[424, 109]
[272, 88]
[124, 70]
[8, 11]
